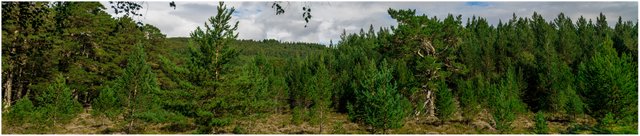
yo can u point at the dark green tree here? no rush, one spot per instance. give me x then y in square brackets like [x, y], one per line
[27, 43]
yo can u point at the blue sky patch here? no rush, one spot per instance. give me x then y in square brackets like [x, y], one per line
[477, 4]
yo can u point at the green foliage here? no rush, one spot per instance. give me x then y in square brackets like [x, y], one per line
[53, 104]
[379, 105]
[22, 112]
[219, 122]
[107, 103]
[239, 130]
[57, 56]
[505, 101]
[608, 82]
[609, 125]
[297, 115]
[309, 84]
[469, 99]
[28, 55]
[444, 102]
[134, 95]
[541, 124]
[209, 48]
[57, 101]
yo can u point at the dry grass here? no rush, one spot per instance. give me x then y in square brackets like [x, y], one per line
[281, 124]
[336, 123]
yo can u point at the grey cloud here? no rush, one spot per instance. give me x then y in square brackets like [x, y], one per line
[258, 20]
[194, 12]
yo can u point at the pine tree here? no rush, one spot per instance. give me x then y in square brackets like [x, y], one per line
[27, 44]
[136, 90]
[445, 107]
[609, 84]
[209, 48]
[208, 65]
[57, 100]
[323, 92]
[380, 105]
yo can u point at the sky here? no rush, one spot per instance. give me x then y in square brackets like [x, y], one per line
[257, 20]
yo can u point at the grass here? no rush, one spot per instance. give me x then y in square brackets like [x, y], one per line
[86, 123]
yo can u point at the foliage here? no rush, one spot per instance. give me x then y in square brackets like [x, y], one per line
[60, 56]
[380, 105]
[541, 124]
[57, 101]
[22, 112]
[209, 48]
[134, 94]
[505, 101]
[468, 96]
[444, 102]
[607, 81]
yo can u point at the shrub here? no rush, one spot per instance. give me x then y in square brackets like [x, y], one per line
[21, 111]
[239, 130]
[541, 124]
[297, 116]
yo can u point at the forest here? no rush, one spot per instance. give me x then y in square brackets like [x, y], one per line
[71, 68]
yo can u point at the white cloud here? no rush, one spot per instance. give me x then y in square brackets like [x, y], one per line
[258, 20]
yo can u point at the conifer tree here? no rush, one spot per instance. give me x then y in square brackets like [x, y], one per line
[27, 44]
[323, 92]
[609, 84]
[445, 107]
[57, 100]
[209, 48]
[136, 90]
[379, 104]
[208, 65]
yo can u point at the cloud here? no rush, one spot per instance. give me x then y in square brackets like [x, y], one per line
[257, 20]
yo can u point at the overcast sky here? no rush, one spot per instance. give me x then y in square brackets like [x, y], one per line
[258, 20]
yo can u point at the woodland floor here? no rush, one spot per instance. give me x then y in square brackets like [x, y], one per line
[337, 123]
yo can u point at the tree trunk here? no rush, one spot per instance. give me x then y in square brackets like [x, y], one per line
[20, 85]
[217, 72]
[133, 110]
[7, 92]
[430, 104]
[321, 120]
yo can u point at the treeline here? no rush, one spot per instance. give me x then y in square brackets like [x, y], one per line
[60, 56]
[56, 56]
